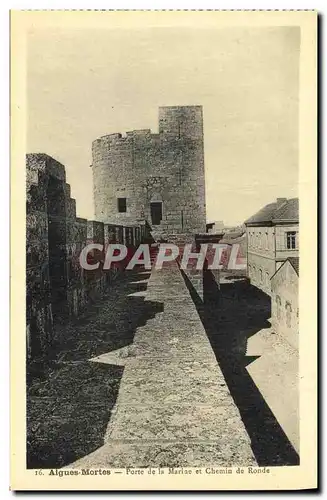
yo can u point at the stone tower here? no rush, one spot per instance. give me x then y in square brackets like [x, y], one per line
[158, 178]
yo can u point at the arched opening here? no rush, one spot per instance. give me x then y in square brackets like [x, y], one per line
[156, 212]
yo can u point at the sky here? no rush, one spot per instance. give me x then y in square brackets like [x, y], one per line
[82, 84]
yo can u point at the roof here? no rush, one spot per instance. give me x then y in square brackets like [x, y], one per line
[295, 263]
[274, 213]
[233, 234]
[289, 211]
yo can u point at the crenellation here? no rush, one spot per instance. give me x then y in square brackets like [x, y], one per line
[153, 169]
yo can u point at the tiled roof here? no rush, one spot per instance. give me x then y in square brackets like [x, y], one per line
[275, 212]
[295, 261]
[264, 215]
[288, 211]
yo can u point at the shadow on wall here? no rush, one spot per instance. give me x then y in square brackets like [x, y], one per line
[230, 316]
[68, 410]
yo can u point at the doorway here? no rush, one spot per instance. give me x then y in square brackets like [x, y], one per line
[156, 212]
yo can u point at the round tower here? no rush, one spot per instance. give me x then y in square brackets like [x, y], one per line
[113, 179]
[154, 177]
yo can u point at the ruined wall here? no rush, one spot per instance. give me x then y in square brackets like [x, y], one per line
[143, 167]
[57, 287]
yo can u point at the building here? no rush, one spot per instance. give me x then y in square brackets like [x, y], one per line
[158, 178]
[284, 300]
[216, 227]
[272, 237]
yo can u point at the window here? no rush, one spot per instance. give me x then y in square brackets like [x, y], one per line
[266, 241]
[267, 279]
[291, 240]
[121, 202]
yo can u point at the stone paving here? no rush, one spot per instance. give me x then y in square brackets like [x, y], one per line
[70, 402]
[173, 406]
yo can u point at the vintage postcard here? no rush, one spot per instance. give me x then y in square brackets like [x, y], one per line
[164, 310]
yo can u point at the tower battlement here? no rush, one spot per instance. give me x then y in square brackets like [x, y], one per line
[158, 177]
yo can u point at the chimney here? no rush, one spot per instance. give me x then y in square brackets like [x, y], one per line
[280, 201]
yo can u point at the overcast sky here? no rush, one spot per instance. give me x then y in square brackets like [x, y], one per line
[84, 84]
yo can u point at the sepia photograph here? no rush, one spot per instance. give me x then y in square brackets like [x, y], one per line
[163, 198]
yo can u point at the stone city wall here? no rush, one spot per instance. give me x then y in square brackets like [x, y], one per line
[57, 287]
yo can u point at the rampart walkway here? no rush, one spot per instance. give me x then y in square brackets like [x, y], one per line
[173, 407]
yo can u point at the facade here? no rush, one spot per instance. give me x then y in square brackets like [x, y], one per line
[272, 237]
[158, 178]
[284, 300]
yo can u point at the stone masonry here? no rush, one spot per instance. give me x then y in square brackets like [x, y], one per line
[143, 169]
[56, 285]
[174, 407]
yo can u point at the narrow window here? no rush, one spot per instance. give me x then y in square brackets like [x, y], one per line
[121, 205]
[291, 240]
[180, 128]
[180, 176]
